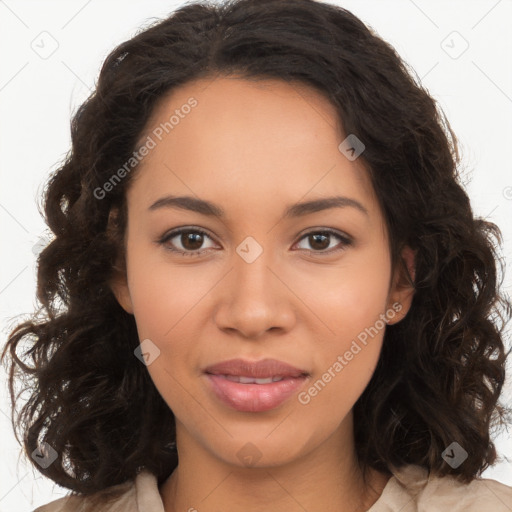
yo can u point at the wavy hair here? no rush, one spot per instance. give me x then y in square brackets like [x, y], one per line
[441, 369]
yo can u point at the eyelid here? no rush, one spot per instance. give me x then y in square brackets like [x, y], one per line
[345, 240]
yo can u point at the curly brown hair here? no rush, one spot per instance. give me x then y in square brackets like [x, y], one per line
[441, 369]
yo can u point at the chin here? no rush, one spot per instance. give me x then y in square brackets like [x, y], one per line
[264, 448]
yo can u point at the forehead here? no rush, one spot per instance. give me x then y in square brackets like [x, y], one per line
[261, 139]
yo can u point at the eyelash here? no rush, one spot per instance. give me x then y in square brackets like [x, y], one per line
[345, 240]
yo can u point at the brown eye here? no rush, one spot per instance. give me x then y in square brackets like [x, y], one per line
[191, 241]
[319, 241]
[322, 241]
[186, 241]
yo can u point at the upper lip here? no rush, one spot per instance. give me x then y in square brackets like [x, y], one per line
[257, 369]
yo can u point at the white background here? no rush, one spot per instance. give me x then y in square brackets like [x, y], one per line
[38, 96]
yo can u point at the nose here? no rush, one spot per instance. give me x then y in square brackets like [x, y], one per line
[253, 299]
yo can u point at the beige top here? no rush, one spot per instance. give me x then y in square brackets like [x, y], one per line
[408, 490]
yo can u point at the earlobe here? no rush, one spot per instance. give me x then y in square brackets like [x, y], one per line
[402, 290]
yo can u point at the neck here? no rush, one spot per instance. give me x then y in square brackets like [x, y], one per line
[327, 478]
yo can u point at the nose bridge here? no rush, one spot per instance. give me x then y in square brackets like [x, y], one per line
[253, 300]
[252, 278]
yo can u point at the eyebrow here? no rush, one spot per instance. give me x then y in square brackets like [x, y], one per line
[210, 209]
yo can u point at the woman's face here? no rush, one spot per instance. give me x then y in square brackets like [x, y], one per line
[309, 285]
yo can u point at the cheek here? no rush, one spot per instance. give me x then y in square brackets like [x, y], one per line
[164, 305]
[168, 303]
[350, 301]
[333, 391]
[350, 296]
[163, 294]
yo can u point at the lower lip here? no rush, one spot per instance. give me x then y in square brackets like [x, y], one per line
[254, 397]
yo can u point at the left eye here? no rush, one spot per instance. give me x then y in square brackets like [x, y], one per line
[320, 241]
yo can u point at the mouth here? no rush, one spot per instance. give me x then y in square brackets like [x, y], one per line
[253, 380]
[263, 369]
[254, 386]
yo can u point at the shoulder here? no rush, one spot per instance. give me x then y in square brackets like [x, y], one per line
[130, 496]
[412, 489]
[482, 494]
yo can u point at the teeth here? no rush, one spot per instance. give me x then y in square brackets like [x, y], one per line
[253, 380]
[232, 378]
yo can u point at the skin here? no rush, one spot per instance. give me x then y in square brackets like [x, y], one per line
[254, 148]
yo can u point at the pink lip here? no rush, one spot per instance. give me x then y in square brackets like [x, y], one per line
[257, 369]
[254, 397]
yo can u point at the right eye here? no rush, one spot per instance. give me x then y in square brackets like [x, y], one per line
[190, 240]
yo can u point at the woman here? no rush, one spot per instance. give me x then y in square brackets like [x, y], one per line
[267, 289]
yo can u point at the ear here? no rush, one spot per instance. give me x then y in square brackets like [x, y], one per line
[118, 283]
[119, 287]
[402, 287]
